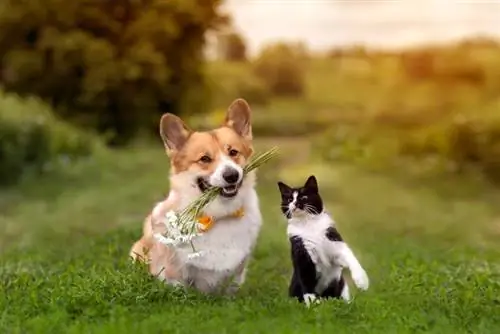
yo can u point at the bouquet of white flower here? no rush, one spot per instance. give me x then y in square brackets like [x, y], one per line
[184, 226]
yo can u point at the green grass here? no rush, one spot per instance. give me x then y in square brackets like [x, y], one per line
[428, 247]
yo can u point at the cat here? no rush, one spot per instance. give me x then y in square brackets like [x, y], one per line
[319, 254]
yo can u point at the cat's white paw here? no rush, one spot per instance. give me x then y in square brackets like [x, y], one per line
[345, 294]
[310, 298]
[360, 279]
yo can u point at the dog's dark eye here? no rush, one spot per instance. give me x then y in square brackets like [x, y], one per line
[233, 153]
[205, 159]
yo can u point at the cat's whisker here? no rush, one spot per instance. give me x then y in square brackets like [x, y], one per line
[310, 209]
[288, 211]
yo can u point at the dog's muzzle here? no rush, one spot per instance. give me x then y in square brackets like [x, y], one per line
[232, 180]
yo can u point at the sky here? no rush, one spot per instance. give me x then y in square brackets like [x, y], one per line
[383, 23]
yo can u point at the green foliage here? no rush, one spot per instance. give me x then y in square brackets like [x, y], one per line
[469, 62]
[282, 67]
[436, 107]
[253, 90]
[476, 142]
[233, 47]
[110, 65]
[32, 139]
[457, 146]
[230, 80]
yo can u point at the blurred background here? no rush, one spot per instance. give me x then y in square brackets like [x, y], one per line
[393, 105]
[376, 82]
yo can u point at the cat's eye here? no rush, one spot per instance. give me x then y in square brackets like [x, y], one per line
[303, 197]
[206, 159]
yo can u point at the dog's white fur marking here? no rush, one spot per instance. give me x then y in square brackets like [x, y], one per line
[225, 162]
[324, 252]
[228, 244]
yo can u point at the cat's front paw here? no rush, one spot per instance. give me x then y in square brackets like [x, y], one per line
[310, 299]
[360, 279]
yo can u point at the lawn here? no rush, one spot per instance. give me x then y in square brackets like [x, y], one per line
[427, 245]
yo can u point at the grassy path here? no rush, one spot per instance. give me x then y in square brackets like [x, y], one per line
[429, 248]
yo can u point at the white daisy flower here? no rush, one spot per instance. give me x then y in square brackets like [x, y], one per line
[194, 255]
[164, 240]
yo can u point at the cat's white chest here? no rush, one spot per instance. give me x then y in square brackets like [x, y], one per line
[312, 231]
[316, 246]
[321, 250]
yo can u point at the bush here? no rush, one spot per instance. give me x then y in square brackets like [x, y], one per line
[233, 47]
[456, 145]
[476, 142]
[253, 90]
[282, 68]
[232, 80]
[31, 138]
[114, 66]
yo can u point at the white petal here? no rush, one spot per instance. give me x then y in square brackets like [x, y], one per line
[163, 239]
[194, 255]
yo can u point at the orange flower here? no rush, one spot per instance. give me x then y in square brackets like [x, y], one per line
[206, 222]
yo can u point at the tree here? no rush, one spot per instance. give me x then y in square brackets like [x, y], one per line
[282, 68]
[111, 65]
[233, 47]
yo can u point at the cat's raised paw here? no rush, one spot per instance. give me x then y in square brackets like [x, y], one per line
[310, 299]
[360, 279]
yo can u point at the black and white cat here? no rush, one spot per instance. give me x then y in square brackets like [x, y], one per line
[318, 252]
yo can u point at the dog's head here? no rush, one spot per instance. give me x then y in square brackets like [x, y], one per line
[210, 158]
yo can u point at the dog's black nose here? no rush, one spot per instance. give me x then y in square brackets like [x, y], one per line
[231, 175]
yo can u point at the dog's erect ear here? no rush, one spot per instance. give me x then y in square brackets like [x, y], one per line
[238, 117]
[174, 132]
[311, 183]
[284, 189]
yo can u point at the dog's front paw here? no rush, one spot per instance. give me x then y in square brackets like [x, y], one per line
[232, 289]
[310, 299]
[360, 279]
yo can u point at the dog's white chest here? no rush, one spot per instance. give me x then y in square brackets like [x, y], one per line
[225, 246]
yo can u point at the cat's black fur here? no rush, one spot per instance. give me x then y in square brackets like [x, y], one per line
[306, 275]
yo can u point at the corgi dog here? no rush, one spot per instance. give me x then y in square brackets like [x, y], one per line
[199, 160]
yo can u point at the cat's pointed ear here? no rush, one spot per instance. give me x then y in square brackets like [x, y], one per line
[312, 183]
[284, 189]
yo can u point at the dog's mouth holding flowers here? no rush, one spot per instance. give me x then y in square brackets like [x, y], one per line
[228, 176]
[228, 191]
